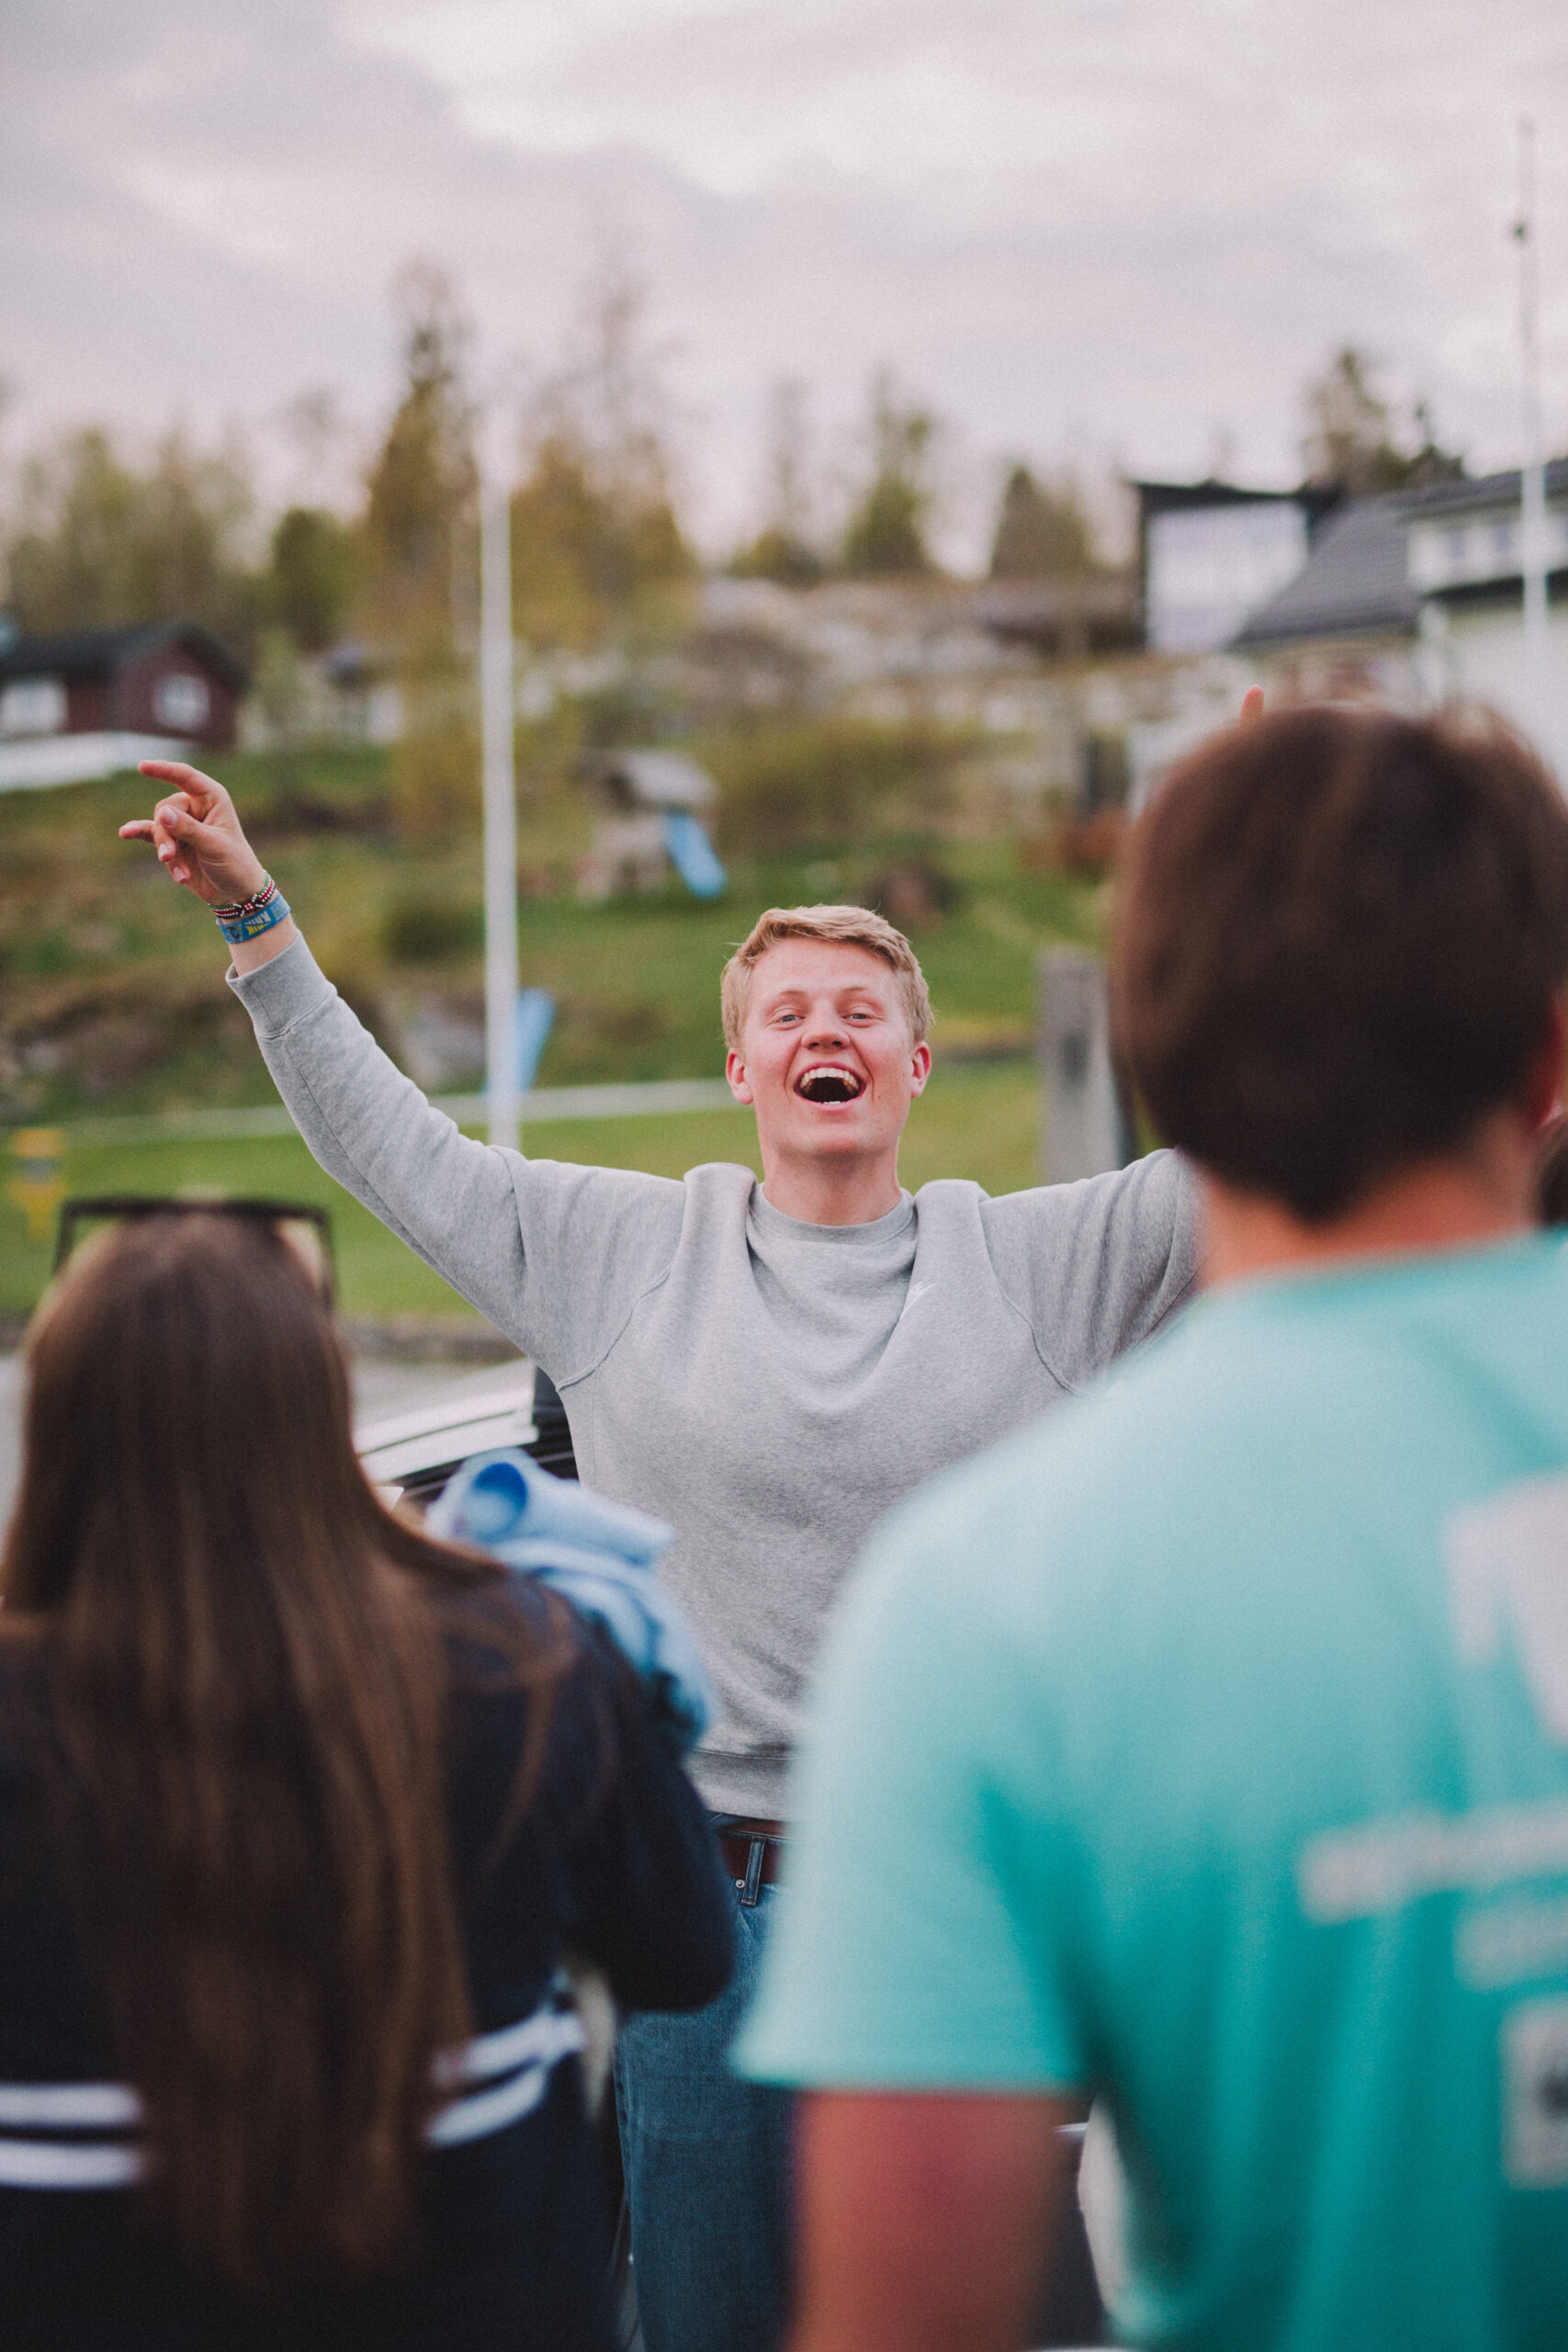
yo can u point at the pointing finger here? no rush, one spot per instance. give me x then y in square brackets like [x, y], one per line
[178, 772]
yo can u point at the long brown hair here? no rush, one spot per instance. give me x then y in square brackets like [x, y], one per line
[245, 1681]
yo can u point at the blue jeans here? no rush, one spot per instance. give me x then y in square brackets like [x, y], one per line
[706, 2160]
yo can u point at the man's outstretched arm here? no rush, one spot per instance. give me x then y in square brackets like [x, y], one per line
[925, 2218]
[552, 1253]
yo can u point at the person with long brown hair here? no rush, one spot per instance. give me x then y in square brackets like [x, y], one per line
[300, 1814]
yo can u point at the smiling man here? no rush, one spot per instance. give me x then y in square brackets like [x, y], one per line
[769, 1367]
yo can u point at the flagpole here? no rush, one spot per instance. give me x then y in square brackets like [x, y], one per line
[1532, 473]
[500, 795]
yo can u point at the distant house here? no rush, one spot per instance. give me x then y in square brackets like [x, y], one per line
[649, 810]
[89, 702]
[1211, 552]
[1417, 598]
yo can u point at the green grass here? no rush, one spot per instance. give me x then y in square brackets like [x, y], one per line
[111, 994]
[112, 997]
[975, 1120]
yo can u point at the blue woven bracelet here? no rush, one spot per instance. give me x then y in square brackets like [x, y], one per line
[250, 923]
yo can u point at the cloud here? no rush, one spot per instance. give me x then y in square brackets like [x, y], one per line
[1108, 226]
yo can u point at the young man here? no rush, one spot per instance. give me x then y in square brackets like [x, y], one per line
[1225, 1719]
[769, 1368]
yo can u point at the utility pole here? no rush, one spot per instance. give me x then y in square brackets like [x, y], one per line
[499, 790]
[1532, 476]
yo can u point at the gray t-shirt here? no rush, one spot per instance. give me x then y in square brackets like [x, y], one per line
[770, 1387]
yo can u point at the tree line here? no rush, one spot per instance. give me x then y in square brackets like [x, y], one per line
[600, 550]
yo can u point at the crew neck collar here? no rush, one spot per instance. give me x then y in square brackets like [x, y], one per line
[775, 1221]
[1333, 1280]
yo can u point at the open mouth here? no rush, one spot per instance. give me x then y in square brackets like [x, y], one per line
[829, 1082]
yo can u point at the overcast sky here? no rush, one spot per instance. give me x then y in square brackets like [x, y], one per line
[1113, 231]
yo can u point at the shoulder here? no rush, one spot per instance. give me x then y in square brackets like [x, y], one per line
[724, 1183]
[948, 1202]
[1099, 1264]
[1153, 1197]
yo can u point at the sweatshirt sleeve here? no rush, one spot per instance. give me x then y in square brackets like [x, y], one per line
[554, 1254]
[1098, 1265]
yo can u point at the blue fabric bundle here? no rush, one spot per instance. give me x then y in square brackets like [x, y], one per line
[598, 1556]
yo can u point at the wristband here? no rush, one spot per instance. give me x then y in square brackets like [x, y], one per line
[251, 916]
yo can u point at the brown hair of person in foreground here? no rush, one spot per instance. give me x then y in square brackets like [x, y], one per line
[241, 1709]
[1339, 936]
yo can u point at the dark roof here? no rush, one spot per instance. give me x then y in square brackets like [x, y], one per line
[1486, 489]
[1183, 497]
[103, 652]
[1355, 579]
[1170, 497]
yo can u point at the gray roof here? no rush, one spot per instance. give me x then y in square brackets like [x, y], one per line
[1356, 579]
[1485, 489]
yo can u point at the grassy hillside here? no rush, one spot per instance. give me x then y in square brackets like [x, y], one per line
[111, 994]
[112, 999]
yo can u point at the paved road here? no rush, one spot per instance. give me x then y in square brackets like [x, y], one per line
[378, 1387]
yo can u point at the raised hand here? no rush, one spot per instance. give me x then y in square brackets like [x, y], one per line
[1251, 704]
[197, 835]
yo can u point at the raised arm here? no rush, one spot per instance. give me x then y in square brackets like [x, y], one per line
[552, 1253]
[196, 832]
[1098, 1265]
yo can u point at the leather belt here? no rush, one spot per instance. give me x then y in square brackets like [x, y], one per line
[752, 1853]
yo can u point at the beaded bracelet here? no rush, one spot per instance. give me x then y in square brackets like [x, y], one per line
[248, 917]
[250, 906]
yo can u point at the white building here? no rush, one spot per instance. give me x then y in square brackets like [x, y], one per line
[1211, 553]
[1418, 599]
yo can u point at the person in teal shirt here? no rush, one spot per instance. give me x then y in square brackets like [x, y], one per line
[1204, 1753]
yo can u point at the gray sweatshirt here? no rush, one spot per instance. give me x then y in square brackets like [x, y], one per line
[770, 1387]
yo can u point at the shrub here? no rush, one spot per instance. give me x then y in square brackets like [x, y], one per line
[819, 782]
[422, 929]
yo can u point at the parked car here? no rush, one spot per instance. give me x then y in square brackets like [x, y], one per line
[417, 1449]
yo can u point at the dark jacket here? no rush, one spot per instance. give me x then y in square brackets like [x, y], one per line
[614, 1862]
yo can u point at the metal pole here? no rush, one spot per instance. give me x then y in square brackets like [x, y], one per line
[500, 803]
[1532, 480]
[1086, 1126]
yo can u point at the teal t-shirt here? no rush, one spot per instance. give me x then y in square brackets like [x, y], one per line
[1206, 1746]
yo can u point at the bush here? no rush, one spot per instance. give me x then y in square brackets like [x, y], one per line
[1072, 843]
[426, 930]
[822, 783]
[913, 894]
[436, 781]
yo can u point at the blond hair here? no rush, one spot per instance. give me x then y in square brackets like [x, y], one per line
[841, 927]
